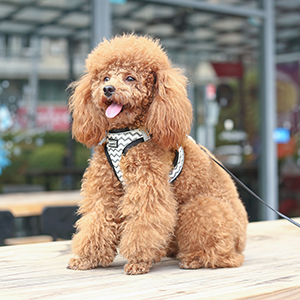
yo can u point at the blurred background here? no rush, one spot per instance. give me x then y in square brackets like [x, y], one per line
[241, 58]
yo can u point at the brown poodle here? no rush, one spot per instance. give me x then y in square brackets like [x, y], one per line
[132, 106]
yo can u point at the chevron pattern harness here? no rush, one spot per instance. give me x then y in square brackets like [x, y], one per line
[119, 141]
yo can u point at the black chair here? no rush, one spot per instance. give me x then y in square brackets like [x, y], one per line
[59, 221]
[7, 225]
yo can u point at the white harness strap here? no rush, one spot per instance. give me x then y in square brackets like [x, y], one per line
[119, 141]
[178, 165]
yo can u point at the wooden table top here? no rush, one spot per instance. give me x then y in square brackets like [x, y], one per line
[271, 271]
[32, 204]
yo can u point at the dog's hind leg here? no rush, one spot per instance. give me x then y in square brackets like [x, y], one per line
[211, 233]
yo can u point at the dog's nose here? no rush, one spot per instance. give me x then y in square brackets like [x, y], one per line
[109, 90]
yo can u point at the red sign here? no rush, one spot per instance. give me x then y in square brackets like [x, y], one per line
[228, 69]
[287, 149]
[49, 118]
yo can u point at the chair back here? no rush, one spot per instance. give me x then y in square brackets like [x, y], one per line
[7, 225]
[59, 221]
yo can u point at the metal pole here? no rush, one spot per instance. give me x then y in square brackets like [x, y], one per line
[206, 124]
[191, 96]
[268, 157]
[33, 81]
[69, 158]
[101, 21]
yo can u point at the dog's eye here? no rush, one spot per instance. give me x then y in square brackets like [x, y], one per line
[130, 78]
[106, 79]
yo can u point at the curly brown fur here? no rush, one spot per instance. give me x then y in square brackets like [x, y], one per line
[199, 218]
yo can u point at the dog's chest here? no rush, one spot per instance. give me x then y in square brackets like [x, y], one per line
[118, 143]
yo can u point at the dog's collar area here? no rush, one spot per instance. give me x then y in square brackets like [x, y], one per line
[120, 130]
[125, 138]
[120, 141]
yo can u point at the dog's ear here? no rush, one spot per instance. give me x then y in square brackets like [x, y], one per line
[170, 115]
[89, 124]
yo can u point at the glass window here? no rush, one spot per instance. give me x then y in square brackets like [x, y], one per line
[53, 91]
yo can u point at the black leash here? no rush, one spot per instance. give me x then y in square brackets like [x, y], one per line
[250, 191]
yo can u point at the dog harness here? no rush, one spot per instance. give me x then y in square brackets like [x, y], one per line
[119, 141]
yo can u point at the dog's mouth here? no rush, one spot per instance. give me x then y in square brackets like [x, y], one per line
[113, 110]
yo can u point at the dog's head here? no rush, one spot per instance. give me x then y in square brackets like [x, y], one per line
[131, 83]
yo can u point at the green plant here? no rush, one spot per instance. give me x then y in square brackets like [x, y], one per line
[82, 154]
[47, 157]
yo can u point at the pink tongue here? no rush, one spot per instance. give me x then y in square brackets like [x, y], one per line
[113, 110]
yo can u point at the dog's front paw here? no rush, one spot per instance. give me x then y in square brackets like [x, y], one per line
[81, 264]
[193, 263]
[137, 268]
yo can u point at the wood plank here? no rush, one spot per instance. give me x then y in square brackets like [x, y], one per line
[32, 204]
[289, 293]
[271, 269]
[28, 240]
